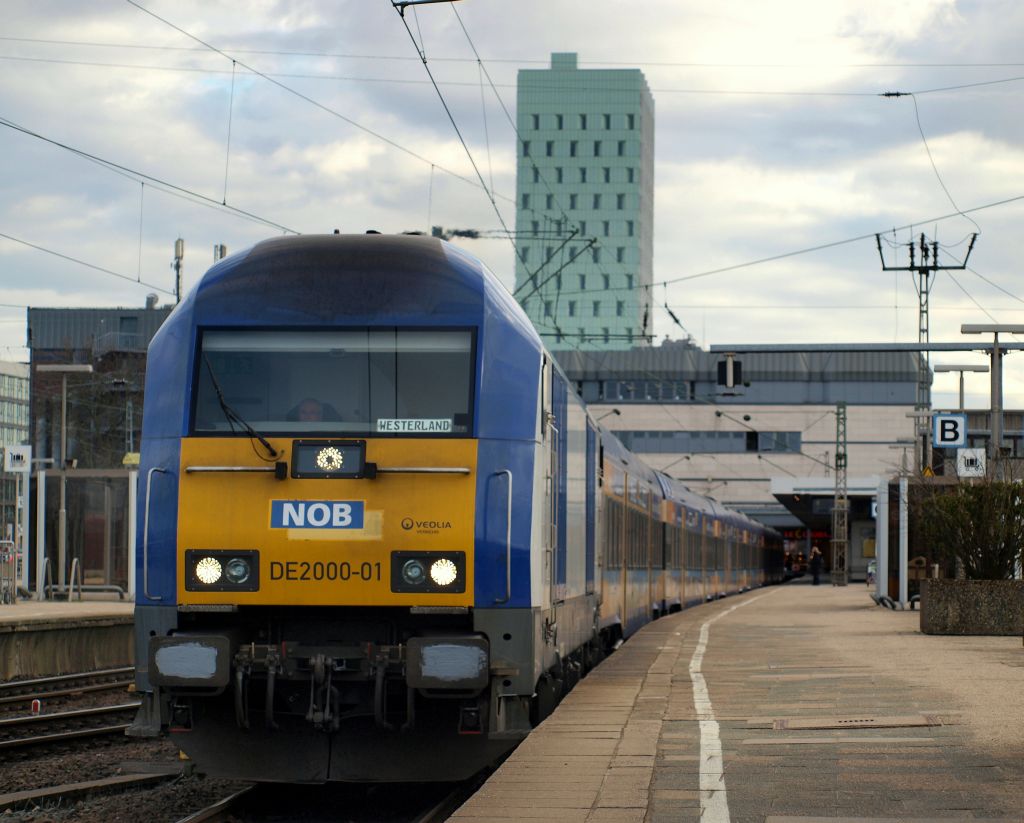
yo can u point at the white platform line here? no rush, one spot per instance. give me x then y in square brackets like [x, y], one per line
[714, 803]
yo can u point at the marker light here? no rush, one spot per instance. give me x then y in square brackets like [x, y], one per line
[237, 570]
[443, 572]
[413, 572]
[208, 570]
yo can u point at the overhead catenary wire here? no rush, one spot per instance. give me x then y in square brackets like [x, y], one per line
[451, 118]
[207, 45]
[80, 262]
[834, 244]
[695, 399]
[227, 147]
[491, 187]
[591, 242]
[535, 60]
[821, 247]
[467, 83]
[990, 282]
[970, 297]
[138, 176]
[485, 73]
[312, 101]
[928, 151]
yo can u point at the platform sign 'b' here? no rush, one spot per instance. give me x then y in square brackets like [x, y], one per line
[949, 431]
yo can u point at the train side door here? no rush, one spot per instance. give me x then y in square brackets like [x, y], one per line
[705, 556]
[561, 470]
[591, 507]
[554, 405]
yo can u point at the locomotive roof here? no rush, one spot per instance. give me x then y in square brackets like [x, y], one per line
[331, 276]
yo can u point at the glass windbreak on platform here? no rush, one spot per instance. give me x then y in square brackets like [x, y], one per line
[396, 382]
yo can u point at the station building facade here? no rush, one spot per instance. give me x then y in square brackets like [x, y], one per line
[14, 428]
[585, 204]
[104, 416]
[778, 427]
[103, 422]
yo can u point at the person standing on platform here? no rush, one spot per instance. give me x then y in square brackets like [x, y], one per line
[816, 562]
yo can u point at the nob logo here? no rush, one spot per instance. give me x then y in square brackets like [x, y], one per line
[316, 514]
[407, 523]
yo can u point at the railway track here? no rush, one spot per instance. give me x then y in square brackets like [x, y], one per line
[65, 685]
[221, 811]
[363, 803]
[71, 791]
[34, 730]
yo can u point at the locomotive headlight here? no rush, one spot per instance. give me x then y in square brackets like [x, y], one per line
[443, 572]
[208, 570]
[429, 572]
[413, 572]
[222, 570]
[237, 570]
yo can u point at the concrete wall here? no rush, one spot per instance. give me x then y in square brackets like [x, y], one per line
[46, 648]
[972, 607]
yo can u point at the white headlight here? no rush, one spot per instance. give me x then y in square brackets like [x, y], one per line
[443, 572]
[208, 570]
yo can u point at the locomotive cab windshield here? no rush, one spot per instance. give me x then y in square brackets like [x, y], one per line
[380, 382]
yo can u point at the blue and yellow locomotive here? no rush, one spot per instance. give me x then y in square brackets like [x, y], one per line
[380, 534]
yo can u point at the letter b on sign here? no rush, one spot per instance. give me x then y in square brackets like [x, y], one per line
[949, 431]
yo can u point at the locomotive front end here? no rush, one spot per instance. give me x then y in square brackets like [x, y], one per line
[309, 540]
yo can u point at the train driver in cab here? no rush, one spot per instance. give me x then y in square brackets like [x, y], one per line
[311, 410]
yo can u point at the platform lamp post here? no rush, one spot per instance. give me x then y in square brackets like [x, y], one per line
[64, 369]
[996, 403]
[949, 367]
[903, 543]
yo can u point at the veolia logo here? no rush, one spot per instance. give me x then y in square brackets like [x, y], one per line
[409, 523]
[316, 514]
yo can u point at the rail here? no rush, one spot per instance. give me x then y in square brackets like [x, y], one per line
[21, 691]
[43, 720]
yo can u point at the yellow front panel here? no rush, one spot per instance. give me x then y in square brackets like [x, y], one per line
[402, 512]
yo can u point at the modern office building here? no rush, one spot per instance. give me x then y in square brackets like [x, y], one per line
[585, 204]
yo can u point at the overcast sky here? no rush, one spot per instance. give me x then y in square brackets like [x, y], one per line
[771, 139]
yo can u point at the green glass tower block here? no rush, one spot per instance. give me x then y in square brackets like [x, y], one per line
[585, 204]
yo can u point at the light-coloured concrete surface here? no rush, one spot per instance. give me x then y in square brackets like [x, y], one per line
[27, 611]
[792, 652]
[985, 674]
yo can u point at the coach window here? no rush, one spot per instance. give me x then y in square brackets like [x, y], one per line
[371, 381]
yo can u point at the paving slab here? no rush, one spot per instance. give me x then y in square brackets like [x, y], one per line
[818, 705]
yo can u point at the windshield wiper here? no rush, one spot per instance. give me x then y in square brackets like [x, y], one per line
[234, 417]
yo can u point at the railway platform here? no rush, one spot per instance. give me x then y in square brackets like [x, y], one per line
[789, 704]
[44, 638]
